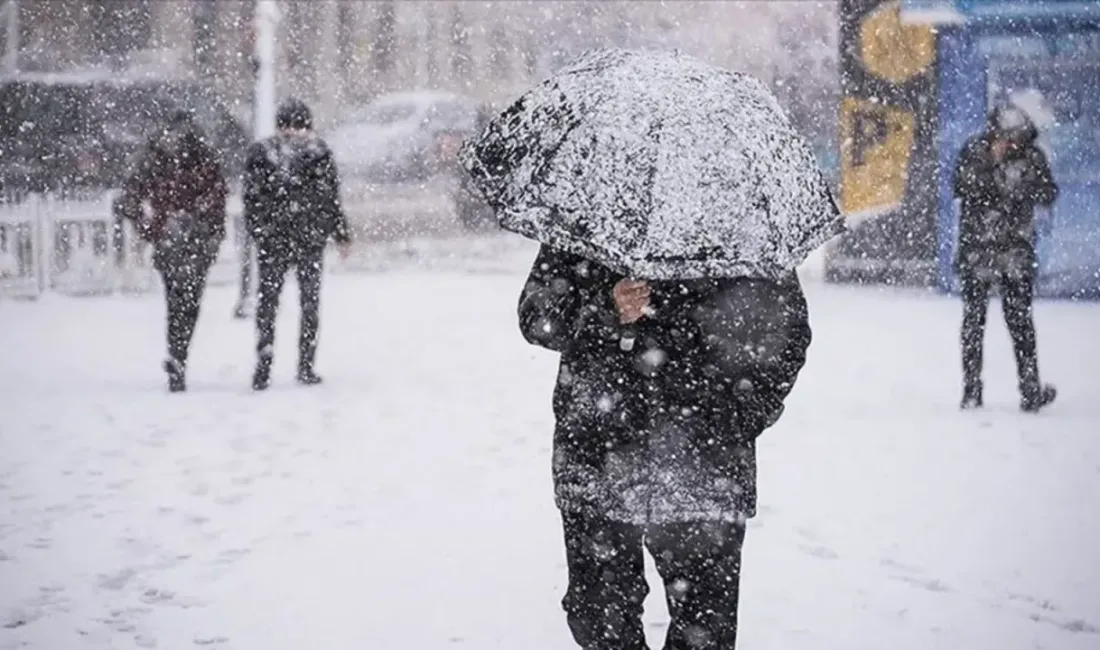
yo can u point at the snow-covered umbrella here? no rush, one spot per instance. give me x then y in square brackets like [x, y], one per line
[657, 165]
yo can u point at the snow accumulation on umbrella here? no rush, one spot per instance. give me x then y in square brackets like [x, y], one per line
[658, 165]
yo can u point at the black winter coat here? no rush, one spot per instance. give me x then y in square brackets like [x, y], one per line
[292, 192]
[178, 173]
[655, 434]
[997, 219]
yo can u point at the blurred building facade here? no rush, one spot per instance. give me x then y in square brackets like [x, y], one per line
[338, 54]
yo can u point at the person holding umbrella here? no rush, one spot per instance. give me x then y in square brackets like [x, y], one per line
[669, 234]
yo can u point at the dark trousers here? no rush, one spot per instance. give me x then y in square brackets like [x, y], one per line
[274, 264]
[1016, 298]
[246, 253]
[699, 563]
[184, 284]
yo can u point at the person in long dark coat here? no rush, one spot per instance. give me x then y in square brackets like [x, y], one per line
[292, 208]
[182, 178]
[1000, 178]
[654, 445]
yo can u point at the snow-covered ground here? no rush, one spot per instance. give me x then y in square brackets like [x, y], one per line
[407, 503]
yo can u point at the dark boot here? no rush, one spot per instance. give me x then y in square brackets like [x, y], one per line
[261, 377]
[972, 396]
[1034, 400]
[307, 377]
[176, 375]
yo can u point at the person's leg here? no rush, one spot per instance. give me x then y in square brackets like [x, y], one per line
[175, 364]
[1016, 303]
[310, 270]
[191, 286]
[272, 274]
[975, 298]
[607, 586]
[700, 565]
[244, 255]
[118, 241]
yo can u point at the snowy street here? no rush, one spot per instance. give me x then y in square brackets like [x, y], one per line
[407, 503]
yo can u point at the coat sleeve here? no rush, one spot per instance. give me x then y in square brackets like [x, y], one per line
[762, 405]
[965, 182]
[136, 189]
[565, 299]
[254, 189]
[1044, 190]
[328, 179]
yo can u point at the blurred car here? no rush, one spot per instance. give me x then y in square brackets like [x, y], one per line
[404, 136]
[70, 134]
[470, 208]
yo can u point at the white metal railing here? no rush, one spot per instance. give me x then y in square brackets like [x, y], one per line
[77, 248]
[73, 246]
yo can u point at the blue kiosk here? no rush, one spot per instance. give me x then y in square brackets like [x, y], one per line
[917, 85]
[1035, 49]
[1048, 53]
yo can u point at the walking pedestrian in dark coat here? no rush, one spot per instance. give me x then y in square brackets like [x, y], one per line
[292, 207]
[181, 177]
[1000, 177]
[654, 445]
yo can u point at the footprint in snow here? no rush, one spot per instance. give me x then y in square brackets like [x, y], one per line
[929, 585]
[41, 543]
[1078, 625]
[231, 499]
[118, 580]
[242, 481]
[806, 534]
[1041, 604]
[231, 555]
[818, 551]
[157, 596]
[894, 564]
[17, 618]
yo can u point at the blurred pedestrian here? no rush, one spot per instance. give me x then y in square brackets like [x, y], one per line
[181, 177]
[292, 207]
[1000, 177]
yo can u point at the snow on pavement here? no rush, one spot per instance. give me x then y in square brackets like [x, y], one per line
[407, 502]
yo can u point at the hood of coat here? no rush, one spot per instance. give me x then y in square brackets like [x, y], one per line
[1011, 124]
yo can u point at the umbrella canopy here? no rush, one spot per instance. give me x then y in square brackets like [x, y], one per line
[657, 165]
